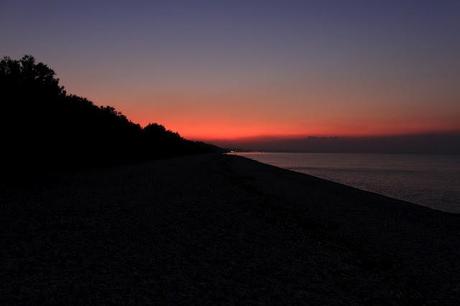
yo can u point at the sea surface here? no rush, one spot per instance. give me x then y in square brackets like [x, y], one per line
[429, 180]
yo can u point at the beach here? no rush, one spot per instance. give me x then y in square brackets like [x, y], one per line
[219, 229]
[429, 180]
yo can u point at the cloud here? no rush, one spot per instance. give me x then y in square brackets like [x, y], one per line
[448, 143]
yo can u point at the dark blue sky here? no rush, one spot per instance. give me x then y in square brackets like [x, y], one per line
[247, 68]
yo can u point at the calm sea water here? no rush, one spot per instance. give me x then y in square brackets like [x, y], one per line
[429, 180]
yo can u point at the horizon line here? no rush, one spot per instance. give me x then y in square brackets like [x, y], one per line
[326, 136]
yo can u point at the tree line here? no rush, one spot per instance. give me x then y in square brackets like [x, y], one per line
[43, 125]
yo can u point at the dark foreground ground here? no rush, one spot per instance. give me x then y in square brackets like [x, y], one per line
[219, 230]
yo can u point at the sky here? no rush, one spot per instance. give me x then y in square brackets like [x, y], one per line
[232, 69]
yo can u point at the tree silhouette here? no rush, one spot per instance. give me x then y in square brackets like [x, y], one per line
[44, 126]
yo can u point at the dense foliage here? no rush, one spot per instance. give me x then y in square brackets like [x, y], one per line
[42, 124]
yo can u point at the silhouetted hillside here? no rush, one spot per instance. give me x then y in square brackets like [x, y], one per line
[43, 125]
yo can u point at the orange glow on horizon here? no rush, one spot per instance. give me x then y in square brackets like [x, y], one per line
[208, 130]
[196, 115]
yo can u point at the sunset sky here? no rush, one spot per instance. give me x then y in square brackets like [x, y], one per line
[230, 69]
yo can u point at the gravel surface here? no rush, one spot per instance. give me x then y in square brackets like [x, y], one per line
[218, 229]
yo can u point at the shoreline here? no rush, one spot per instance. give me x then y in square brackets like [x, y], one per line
[221, 228]
[426, 180]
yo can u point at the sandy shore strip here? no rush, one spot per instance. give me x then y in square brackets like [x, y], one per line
[219, 229]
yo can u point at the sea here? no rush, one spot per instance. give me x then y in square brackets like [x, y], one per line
[428, 180]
